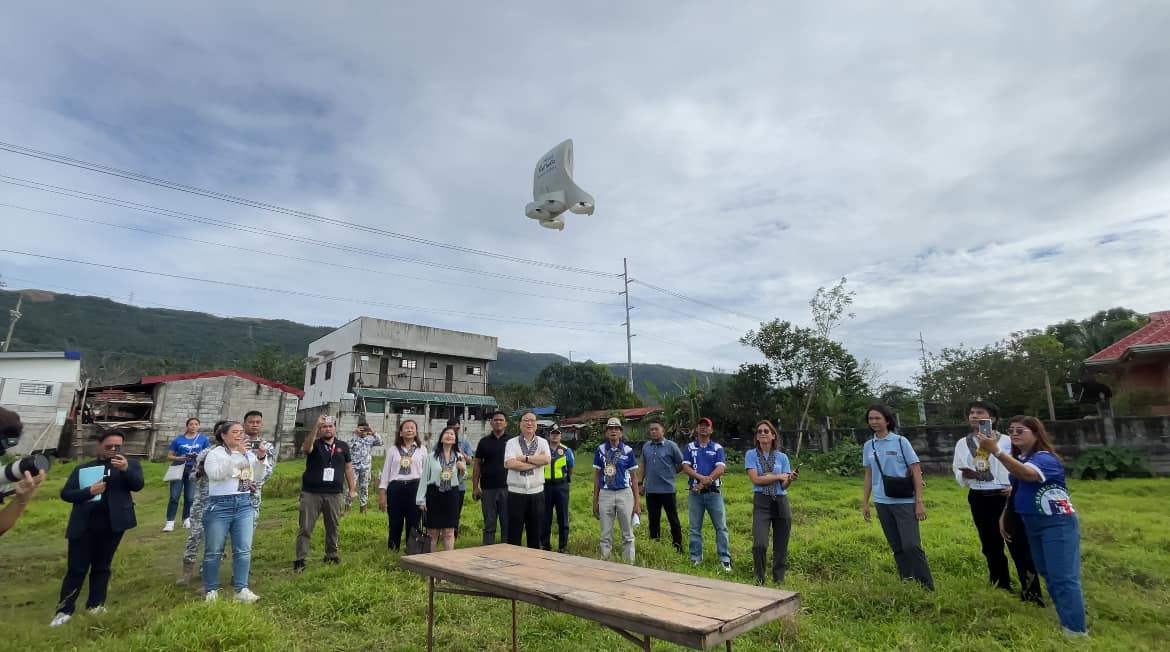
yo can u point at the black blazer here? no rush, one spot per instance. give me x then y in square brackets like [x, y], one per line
[117, 496]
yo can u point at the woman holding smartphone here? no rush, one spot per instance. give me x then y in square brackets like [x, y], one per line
[438, 492]
[1040, 496]
[770, 473]
[232, 470]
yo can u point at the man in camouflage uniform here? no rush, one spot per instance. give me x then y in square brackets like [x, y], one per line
[361, 451]
[265, 452]
[195, 534]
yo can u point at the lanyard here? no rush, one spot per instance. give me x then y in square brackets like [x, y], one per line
[332, 449]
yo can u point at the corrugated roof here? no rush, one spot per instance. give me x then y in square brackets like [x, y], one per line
[1153, 334]
[154, 380]
[627, 413]
[406, 396]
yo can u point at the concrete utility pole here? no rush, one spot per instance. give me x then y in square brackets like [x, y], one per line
[14, 315]
[629, 348]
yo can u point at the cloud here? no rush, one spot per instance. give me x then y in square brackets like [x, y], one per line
[972, 171]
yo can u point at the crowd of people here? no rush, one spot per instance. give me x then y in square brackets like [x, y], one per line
[1014, 480]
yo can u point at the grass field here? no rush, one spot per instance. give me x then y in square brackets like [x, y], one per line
[839, 564]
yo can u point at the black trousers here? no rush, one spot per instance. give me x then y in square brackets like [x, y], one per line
[525, 514]
[556, 497]
[986, 508]
[91, 553]
[655, 503]
[402, 510]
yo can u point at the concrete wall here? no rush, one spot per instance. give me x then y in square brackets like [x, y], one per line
[935, 445]
[428, 375]
[42, 414]
[386, 425]
[214, 399]
[392, 334]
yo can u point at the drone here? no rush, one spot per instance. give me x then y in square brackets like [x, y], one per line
[554, 191]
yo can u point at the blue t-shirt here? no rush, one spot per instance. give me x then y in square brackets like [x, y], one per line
[896, 455]
[1049, 496]
[469, 458]
[615, 465]
[704, 459]
[658, 462]
[181, 446]
[753, 460]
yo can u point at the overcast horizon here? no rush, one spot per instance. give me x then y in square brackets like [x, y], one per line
[973, 170]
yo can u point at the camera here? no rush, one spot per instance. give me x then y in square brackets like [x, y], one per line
[10, 431]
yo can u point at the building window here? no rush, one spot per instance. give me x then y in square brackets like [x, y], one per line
[36, 389]
[433, 365]
[328, 370]
[407, 364]
[313, 376]
[474, 371]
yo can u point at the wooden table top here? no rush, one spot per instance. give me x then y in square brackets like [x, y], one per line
[698, 612]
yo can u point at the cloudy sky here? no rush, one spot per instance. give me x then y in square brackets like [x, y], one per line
[972, 168]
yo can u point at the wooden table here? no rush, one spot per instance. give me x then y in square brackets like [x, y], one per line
[638, 603]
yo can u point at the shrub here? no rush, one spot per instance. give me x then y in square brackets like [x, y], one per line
[843, 460]
[1108, 463]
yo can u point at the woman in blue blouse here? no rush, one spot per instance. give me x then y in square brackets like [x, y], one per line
[1041, 498]
[770, 473]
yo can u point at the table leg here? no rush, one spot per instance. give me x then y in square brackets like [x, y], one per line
[646, 643]
[728, 646]
[431, 614]
[515, 644]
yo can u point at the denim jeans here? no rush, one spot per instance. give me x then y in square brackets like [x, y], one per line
[187, 487]
[1056, 550]
[223, 515]
[710, 503]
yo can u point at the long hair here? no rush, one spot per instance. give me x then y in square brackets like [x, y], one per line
[1043, 440]
[885, 412]
[398, 440]
[439, 443]
[775, 436]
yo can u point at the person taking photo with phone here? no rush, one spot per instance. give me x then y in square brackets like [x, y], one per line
[102, 512]
[182, 453]
[232, 469]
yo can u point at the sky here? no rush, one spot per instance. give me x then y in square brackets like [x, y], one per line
[972, 169]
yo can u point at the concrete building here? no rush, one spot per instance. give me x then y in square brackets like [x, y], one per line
[42, 389]
[387, 371]
[1140, 362]
[155, 409]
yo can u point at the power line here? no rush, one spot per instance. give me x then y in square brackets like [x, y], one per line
[684, 314]
[199, 219]
[679, 295]
[298, 258]
[273, 208]
[549, 323]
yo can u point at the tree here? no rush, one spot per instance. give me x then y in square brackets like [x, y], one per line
[271, 362]
[680, 411]
[1088, 336]
[515, 396]
[580, 386]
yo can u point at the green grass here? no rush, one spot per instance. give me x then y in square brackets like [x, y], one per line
[841, 566]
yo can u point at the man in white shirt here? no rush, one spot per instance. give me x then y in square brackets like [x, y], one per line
[988, 493]
[523, 458]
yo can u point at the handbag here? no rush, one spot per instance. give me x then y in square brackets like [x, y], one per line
[174, 472]
[894, 486]
[417, 540]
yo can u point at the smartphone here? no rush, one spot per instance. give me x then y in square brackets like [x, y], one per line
[985, 427]
[254, 445]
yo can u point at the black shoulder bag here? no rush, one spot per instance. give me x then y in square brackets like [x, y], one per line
[894, 486]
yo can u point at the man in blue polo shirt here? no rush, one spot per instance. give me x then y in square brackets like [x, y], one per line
[661, 462]
[615, 489]
[704, 462]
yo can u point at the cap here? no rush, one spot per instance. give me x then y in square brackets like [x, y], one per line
[452, 422]
[555, 429]
[706, 421]
[614, 422]
[328, 421]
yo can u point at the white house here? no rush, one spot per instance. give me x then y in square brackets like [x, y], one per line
[41, 388]
[387, 371]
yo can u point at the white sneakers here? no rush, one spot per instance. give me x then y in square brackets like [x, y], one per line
[59, 619]
[169, 527]
[98, 610]
[726, 566]
[246, 596]
[187, 523]
[211, 596]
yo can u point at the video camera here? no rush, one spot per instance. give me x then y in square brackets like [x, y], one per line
[10, 431]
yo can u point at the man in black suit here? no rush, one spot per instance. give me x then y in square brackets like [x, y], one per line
[102, 512]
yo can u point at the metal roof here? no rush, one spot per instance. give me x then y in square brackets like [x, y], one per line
[406, 396]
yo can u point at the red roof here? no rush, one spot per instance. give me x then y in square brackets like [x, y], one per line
[1155, 333]
[152, 380]
[628, 413]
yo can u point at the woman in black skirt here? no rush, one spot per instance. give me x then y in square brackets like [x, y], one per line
[438, 493]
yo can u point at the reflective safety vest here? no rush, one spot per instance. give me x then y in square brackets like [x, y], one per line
[555, 471]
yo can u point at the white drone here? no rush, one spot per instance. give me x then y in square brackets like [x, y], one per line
[553, 189]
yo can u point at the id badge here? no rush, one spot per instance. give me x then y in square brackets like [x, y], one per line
[327, 474]
[610, 470]
[445, 476]
[404, 463]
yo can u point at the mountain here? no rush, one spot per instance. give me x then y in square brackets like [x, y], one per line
[120, 342]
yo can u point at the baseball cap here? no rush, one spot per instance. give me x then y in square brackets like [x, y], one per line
[328, 421]
[614, 422]
[555, 429]
[706, 421]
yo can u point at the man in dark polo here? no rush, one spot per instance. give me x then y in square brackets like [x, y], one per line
[489, 479]
[328, 470]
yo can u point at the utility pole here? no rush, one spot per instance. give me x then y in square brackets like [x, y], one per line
[14, 316]
[570, 356]
[1048, 391]
[629, 347]
[922, 348]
